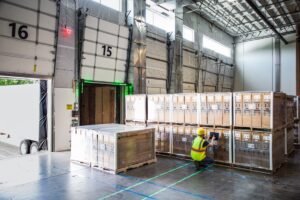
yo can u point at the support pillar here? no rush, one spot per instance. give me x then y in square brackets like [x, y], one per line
[177, 85]
[298, 61]
[138, 52]
[277, 51]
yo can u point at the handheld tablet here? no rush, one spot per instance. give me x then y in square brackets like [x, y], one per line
[211, 134]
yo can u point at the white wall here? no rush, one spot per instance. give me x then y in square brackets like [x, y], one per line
[256, 66]
[288, 66]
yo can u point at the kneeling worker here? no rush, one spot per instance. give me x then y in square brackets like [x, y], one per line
[198, 151]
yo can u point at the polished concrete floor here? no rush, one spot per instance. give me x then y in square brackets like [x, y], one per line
[8, 151]
[52, 176]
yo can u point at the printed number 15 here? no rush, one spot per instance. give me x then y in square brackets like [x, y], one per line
[107, 50]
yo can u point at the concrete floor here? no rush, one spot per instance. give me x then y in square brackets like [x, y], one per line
[8, 151]
[52, 176]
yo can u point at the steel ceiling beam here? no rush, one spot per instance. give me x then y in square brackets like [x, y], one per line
[270, 25]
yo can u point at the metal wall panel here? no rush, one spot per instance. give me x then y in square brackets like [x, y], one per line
[104, 51]
[27, 37]
[189, 59]
[189, 75]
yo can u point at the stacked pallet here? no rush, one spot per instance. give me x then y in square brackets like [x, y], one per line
[177, 117]
[259, 128]
[112, 148]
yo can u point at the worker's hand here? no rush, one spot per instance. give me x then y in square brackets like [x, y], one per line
[213, 138]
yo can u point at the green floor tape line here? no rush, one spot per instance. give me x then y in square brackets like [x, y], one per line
[145, 181]
[177, 182]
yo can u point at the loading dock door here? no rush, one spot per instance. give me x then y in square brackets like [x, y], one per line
[98, 105]
[27, 37]
[104, 51]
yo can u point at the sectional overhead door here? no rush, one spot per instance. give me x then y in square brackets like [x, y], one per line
[156, 64]
[28, 37]
[189, 71]
[104, 51]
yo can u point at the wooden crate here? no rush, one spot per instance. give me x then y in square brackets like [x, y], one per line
[113, 147]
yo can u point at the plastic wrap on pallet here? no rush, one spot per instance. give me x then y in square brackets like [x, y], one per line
[221, 152]
[156, 108]
[192, 108]
[112, 147]
[259, 110]
[136, 108]
[258, 149]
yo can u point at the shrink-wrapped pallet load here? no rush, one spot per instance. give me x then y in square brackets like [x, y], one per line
[136, 108]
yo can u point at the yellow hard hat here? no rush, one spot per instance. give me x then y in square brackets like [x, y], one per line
[201, 131]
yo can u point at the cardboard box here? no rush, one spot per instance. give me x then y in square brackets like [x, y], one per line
[218, 109]
[266, 112]
[212, 107]
[153, 108]
[191, 102]
[227, 104]
[203, 109]
[168, 108]
[238, 109]
[257, 114]
[247, 109]
[161, 108]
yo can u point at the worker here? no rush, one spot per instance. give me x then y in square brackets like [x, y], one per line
[198, 151]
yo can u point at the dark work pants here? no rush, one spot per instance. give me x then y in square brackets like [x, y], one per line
[204, 163]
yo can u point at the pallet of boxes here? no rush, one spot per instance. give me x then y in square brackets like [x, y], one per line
[158, 109]
[259, 130]
[112, 148]
[184, 118]
[215, 115]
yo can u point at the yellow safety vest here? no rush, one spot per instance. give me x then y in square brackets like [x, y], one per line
[198, 152]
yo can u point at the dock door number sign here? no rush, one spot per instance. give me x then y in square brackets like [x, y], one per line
[107, 50]
[22, 30]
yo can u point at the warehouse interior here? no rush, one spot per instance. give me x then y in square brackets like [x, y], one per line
[124, 88]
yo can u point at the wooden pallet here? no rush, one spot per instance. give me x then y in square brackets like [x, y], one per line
[125, 169]
[256, 169]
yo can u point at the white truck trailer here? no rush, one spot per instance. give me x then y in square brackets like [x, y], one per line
[23, 116]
